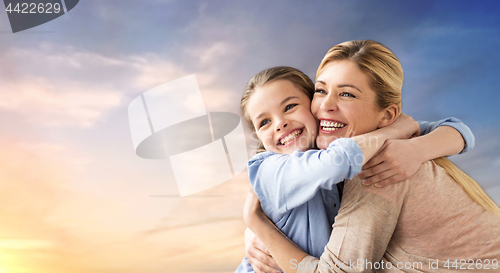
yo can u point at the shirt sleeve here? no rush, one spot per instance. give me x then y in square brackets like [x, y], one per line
[288, 181]
[427, 127]
[362, 230]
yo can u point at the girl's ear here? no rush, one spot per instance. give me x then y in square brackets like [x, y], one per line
[391, 113]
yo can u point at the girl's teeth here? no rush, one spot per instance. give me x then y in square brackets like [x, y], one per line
[290, 137]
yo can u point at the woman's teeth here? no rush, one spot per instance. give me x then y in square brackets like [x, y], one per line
[290, 137]
[331, 125]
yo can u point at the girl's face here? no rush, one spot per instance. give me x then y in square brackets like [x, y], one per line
[282, 117]
[344, 103]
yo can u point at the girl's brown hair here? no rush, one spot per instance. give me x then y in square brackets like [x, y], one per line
[295, 76]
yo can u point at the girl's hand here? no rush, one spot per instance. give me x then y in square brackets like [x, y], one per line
[405, 127]
[397, 160]
[258, 255]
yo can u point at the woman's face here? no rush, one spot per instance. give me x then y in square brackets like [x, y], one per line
[344, 103]
[282, 117]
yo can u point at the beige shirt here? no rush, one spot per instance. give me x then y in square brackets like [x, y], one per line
[427, 223]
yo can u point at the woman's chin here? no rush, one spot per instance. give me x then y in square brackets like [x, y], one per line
[322, 141]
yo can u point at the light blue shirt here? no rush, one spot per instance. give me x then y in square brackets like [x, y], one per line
[299, 193]
[427, 127]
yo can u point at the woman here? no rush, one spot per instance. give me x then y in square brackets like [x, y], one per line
[377, 225]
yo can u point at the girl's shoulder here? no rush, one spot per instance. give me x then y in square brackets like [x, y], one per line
[263, 156]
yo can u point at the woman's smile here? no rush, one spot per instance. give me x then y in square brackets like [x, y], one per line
[329, 126]
[344, 103]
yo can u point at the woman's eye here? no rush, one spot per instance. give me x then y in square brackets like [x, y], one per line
[290, 106]
[348, 95]
[264, 122]
[321, 91]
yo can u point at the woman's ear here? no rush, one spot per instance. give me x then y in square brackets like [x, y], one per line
[391, 113]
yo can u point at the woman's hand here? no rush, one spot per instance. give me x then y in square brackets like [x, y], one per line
[397, 160]
[258, 255]
[252, 208]
[405, 127]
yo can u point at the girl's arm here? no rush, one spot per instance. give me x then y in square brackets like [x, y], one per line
[288, 181]
[466, 134]
[399, 159]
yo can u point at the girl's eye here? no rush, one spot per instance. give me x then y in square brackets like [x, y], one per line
[347, 95]
[264, 122]
[290, 106]
[321, 91]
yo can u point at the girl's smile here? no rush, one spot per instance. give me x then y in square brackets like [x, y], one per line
[280, 113]
[289, 137]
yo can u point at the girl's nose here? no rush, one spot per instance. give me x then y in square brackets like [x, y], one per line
[281, 125]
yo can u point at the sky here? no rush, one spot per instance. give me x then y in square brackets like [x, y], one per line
[74, 196]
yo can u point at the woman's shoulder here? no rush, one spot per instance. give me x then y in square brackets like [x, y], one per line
[390, 199]
[386, 199]
[393, 195]
[429, 170]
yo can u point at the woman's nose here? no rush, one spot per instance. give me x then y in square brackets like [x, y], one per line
[281, 125]
[329, 104]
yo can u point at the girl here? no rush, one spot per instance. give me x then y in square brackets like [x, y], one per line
[276, 104]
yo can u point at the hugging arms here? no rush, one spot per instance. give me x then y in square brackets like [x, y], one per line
[297, 180]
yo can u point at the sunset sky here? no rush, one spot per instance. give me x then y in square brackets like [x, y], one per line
[74, 197]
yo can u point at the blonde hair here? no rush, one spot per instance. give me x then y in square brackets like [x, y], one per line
[382, 67]
[295, 76]
[470, 185]
[386, 79]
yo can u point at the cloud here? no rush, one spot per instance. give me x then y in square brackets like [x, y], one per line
[153, 70]
[481, 163]
[66, 214]
[26, 244]
[32, 175]
[53, 103]
[52, 223]
[44, 85]
[61, 86]
[216, 52]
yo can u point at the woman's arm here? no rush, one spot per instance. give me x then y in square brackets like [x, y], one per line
[362, 231]
[281, 247]
[288, 181]
[258, 255]
[399, 159]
